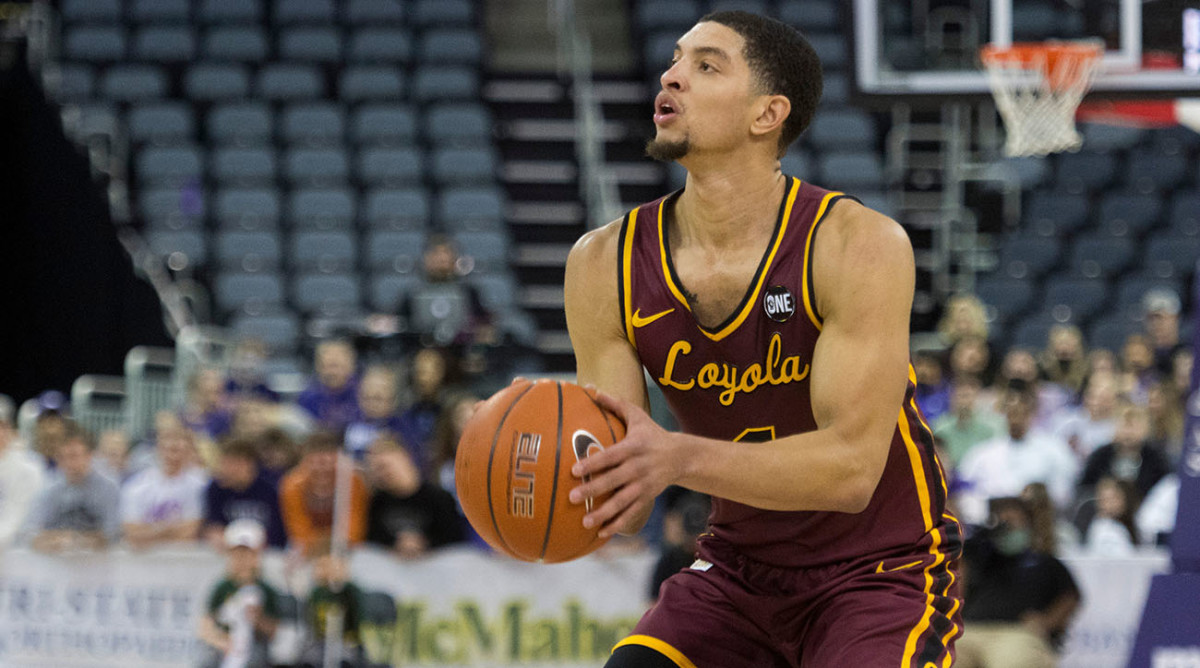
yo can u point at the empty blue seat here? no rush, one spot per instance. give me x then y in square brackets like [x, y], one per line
[311, 44]
[1081, 297]
[1111, 331]
[171, 207]
[395, 251]
[373, 12]
[390, 46]
[1101, 257]
[168, 44]
[470, 208]
[237, 166]
[249, 293]
[399, 209]
[1055, 213]
[249, 252]
[451, 47]
[327, 294]
[95, 11]
[1132, 289]
[1174, 140]
[231, 11]
[212, 82]
[279, 331]
[75, 82]
[247, 209]
[98, 44]
[133, 83]
[165, 123]
[324, 251]
[160, 11]
[1184, 216]
[324, 209]
[1102, 138]
[1024, 257]
[488, 250]
[1034, 22]
[387, 289]
[427, 13]
[464, 165]
[304, 11]
[390, 166]
[796, 162]
[498, 291]
[284, 82]
[247, 123]
[1033, 333]
[316, 167]
[320, 123]
[1127, 214]
[458, 124]
[242, 43]
[382, 124]
[1083, 172]
[371, 83]
[878, 200]
[181, 248]
[173, 165]
[851, 171]
[842, 129]
[677, 15]
[811, 15]
[659, 51]
[831, 49]
[1004, 297]
[835, 90]
[1148, 171]
[1170, 255]
[436, 83]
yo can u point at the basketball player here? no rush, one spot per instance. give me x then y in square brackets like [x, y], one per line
[774, 316]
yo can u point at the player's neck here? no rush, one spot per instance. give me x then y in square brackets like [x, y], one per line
[730, 206]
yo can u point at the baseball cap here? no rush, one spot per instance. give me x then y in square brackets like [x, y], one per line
[1160, 300]
[245, 533]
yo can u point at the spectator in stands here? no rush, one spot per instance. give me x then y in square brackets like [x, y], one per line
[277, 453]
[242, 614]
[1004, 465]
[165, 503]
[1051, 533]
[1164, 406]
[445, 311]
[1129, 456]
[408, 515]
[377, 404]
[333, 592]
[428, 383]
[970, 356]
[1155, 517]
[966, 424]
[933, 392]
[246, 376]
[1020, 365]
[684, 519]
[50, 426]
[1181, 370]
[1093, 424]
[1064, 361]
[1161, 308]
[1137, 368]
[1111, 531]
[240, 490]
[964, 316]
[113, 456]
[331, 398]
[1018, 602]
[446, 434]
[308, 493]
[81, 509]
[205, 411]
[21, 476]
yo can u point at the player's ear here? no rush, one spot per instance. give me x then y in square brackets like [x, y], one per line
[773, 110]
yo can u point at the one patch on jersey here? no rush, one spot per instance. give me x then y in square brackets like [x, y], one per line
[779, 303]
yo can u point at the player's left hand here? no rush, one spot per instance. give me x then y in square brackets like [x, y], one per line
[637, 469]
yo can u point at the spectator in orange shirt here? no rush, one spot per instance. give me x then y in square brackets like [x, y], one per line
[307, 495]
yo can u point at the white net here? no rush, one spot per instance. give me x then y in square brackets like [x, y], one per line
[1037, 90]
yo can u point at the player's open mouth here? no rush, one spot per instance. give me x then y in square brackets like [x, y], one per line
[665, 109]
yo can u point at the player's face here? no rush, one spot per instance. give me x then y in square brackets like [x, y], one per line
[707, 94]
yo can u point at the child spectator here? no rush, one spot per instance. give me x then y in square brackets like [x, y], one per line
[81, 508]
[408, 515]
[428, 382]
[243, 610]
[331, 398]
[21, 477]
[333, 595]
[376, 410]
[308, 493]
[246, 377]
[240, 490]
[165, 503]
[1112, 532]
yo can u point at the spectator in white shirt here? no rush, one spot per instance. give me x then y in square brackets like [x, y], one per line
[1003, 466]
[1095, 422]
[165, 503]
[1156, 516]
[21, 477]
[1111, 532]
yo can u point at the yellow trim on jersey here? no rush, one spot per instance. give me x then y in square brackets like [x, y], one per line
[769, 430]
[627, 276]
[659, 646]
[809, 307]
[662, 254]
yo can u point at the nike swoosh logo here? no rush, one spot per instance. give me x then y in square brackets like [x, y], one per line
[639, 321]
[879, 568]
[582, 443]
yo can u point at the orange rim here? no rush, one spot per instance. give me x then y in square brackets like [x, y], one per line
[1050, 56]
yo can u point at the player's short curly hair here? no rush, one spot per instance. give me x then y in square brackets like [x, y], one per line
[784, 63]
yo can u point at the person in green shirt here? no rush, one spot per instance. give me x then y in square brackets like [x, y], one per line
[243, 610]
[333, 595]
[965, 424]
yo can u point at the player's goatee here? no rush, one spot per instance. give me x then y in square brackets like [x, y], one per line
[667, 151]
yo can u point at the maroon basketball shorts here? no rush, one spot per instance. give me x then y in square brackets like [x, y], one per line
[727, 611]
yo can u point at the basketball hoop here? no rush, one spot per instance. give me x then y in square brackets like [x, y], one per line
[1038, 87]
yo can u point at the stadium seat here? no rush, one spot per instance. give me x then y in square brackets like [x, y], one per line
[371, 83]
[1131, 289]
[450, 47]
[167, 44]
[173, 165]
[658, 51]
[171, 207]
[405, 209]
[1005, 298]
[288, 82]
[248, 293]
[1082, 297]
[133, 83]
[395, 251]
[676, 15]
[428, 13]
[1032, 333]
[796, 162]
[1175, 140]
[852, 171]
[76, 82]
[383, 124]
[831, 48]
[464, 165]
[231, 11]
[235, 43]
[1052, 213]
[387, 289]
[875, 199]
[247, 123]
[280, 331]
[1169, 255]
[390, 166]
[311, 44]
[435, 83]
[842, 129]
[217, 82]
[242, 167]
[1148, 171]
[470, 208]
[165, 123]
[835, 90]
[488, 250]
[159, 11]
[1100, 257]
[1183, 218]
[91, 11]
[95, 43]
[249, 252]
[1104, 138]
[304, 11]
[811, 15]
[1127, 214]
[317, 124]
[327, 294]
[1034, 22]
[187, 243]
[382, 46]
[752, 6]
[1110, 332]
[498, 291]
[316, 167]
[247, 209]
[327, 252]
[1083, 172]
[373, 12]
[324, 209]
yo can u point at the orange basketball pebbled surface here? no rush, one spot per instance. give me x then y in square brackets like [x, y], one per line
[513, 468]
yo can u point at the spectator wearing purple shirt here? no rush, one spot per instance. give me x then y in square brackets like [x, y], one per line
[240, 490]
[377, 412]
[418, 422]
[331, 398]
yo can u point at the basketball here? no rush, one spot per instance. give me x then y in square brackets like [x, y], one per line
[513, 468]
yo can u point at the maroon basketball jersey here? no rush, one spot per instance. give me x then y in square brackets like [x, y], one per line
[748, 380]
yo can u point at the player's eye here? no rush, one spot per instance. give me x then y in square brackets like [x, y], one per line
[705, 67]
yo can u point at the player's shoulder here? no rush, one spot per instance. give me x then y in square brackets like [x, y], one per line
[598, 245]
[859, 227]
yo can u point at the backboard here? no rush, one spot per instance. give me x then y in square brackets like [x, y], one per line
[923, 51]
